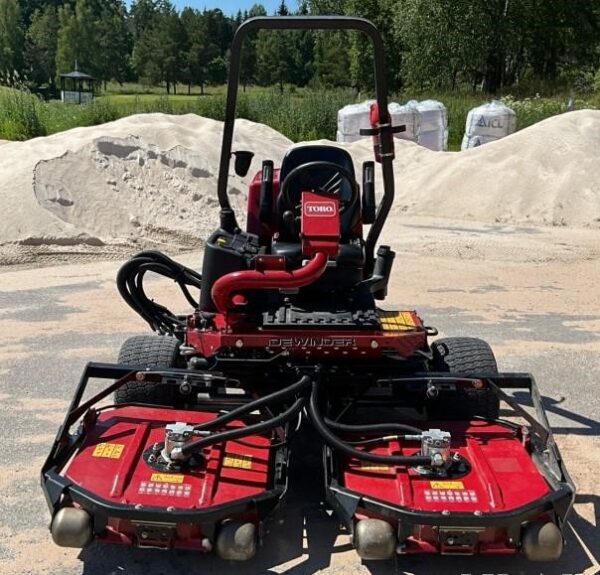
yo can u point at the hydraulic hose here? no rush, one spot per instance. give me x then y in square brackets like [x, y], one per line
[283, 417]
[372, 428]
[303, 382]
[130, 283]
[336, 443]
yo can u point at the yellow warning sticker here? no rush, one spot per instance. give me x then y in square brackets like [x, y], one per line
[167, 477]
[396, 320]
[109, 450]
[447, 485]
[372, 466]
[237, 461]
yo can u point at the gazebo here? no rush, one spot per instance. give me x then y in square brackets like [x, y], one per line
[76, 87]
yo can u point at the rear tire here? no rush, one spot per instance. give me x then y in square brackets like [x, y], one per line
[464, 356]
[147, 352]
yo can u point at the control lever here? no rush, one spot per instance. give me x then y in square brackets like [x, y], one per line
[266, 193]
[368, 193]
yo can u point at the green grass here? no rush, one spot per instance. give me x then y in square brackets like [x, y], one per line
[298, 113]
[19, 115]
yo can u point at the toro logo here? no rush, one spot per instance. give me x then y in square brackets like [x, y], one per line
[319, 209]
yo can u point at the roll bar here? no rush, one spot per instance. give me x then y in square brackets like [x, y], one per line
[228, 221]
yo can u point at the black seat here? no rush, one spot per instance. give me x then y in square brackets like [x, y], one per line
[313, 153]
[351, 258]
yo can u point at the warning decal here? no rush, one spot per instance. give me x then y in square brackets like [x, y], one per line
[396, 320]
[108, 450]
[237, 461]
[167, 477]
[447, 485]
[450, 495]
[164, 489]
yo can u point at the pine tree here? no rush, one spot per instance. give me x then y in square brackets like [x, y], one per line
[11, 38]
[114, 41]
[41, 46]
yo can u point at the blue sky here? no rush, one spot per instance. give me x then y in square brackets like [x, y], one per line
[232, 6]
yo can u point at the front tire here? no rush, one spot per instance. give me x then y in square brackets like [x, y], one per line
[147, 352]
[464, 356]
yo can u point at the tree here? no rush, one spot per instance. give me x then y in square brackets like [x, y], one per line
[248, 69]
[142, 16]
[41, 46]
[302, 44]
[114, 41]
[160, 43]
[78, 40]
[11, 38]
[273, 54]
[442, 40]
[331, 62]
[29, 7]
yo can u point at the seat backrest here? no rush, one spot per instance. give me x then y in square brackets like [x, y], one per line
[350, 219]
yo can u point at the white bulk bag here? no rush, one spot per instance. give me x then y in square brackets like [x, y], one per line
[351, 119]
[433, 131]
[405, 116]
[487, 123]
[355, 117]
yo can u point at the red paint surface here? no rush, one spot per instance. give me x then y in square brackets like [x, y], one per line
[502, 478]
[138, 428]
[320, 224]
[228, 330]
[226, 285]
[128, 479]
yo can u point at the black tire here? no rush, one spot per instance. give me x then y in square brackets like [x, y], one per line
[464, 356]
[147, 351]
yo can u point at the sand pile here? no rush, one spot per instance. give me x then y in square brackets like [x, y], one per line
[546, 174]
[151, 180]
[142, 179]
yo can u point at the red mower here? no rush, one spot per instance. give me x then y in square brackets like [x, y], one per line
[193, 452]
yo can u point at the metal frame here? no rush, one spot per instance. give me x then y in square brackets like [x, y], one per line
[384, 130]
[546, 457]
[57, 488]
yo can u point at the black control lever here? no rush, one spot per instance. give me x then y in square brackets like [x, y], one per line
[266, 193]
[368, 193]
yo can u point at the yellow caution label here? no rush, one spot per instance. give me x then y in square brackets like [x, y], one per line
[447, 484]
[108, 450]
[372, 466]
[237, 461]
[167, 477]
[396, 320]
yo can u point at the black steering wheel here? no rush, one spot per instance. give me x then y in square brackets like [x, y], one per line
[331, 186]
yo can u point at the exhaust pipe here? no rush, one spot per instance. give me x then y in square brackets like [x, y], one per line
[71, 527]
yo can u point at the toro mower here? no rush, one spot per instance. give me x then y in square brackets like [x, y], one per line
[193, 450]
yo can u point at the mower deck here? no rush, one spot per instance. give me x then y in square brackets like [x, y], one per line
[507, 480]
[112, 469]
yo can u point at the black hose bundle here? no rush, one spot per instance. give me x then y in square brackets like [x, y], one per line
[372, 428]
[130, 283]
[229, 434]
[238, 432]
[274, 397]
[344, 447]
